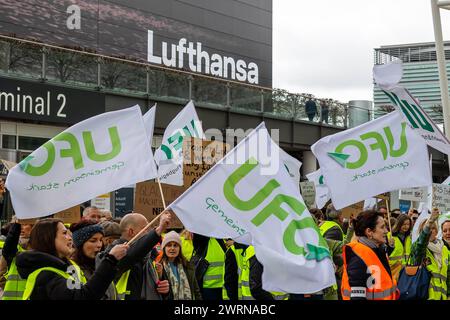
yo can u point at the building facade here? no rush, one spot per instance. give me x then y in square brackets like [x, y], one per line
[421, 78]
[62, 63]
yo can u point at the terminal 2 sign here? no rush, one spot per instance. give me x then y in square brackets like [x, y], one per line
[47, 103]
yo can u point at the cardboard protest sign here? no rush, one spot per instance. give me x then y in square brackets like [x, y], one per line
[441, 197]
[70, 215]
[147, 200]
[414, 194]
[199, 156]
[308, 191]
[354, 209]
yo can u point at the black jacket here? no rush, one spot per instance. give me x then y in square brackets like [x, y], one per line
[357, 271]
[136, 258]
[231, 279]
[334, 233]
[51, 286]
[9, 251]
[256, 271]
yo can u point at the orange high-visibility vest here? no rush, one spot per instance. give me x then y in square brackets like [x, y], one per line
[386, 289]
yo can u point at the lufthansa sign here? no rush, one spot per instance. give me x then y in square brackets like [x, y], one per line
[201, 61]
[42, 102]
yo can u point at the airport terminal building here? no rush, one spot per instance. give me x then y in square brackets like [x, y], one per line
[61, 63]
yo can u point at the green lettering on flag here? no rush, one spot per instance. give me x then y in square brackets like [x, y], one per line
[340, 158]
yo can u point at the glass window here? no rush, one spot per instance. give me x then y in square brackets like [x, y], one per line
[245, 98]
[210, 92]
[8, 142]
[24, 59]
[72, 67]
[31, 143]
[126, 77]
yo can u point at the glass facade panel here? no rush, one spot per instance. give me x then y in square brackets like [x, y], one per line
[8, 142]
[245, 98]
[22, 59]
[72, 68]
[165, 84]
[207, 91]
[124, 77]
[31, 143]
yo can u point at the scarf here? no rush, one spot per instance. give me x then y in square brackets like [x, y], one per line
[436, 249]
[370, 243]
[180, 288]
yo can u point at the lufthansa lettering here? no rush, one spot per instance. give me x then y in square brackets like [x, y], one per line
[201, 61]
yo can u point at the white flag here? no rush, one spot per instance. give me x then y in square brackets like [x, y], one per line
[322, 191]
[245, 201]
[447, 181]
[376, 157]
[96, 156]
[169, 157]
[149, 123]
[292, 166]
[387, 78]
[424, 215]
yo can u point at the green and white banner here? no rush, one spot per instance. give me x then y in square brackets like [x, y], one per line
[376, 157]
[169, 157]
[387, 77]
[96, 156]
[322, 191]
[243, 201]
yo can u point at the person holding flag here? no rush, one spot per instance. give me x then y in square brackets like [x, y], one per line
[246, 196]
[50, 275]
[430, 251]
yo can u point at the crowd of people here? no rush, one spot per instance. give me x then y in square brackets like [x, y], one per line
[103, 258]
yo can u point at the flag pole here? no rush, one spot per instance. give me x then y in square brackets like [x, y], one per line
[162, 193]
[389, 215]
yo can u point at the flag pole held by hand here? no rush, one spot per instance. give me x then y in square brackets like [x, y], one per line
[153, 221]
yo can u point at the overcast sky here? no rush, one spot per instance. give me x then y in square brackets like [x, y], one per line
[325, 47]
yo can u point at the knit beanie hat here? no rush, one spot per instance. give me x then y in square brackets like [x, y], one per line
[82, 235]
[110, 229]
[169, 237]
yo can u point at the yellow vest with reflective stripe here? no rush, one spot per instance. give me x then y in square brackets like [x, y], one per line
[121, 285]
[187, 248]
[245, 278]
[327, 225]
[14, 285]
[401, 253]
[31, 280]
[245, 275]
[214, 275]
[438, 283]
[239, 261]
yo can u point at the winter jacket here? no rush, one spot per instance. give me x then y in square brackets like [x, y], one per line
[136, 259]
[256, 271]
[51, 286]
[357, 270]
[189, 269]
[310, 107]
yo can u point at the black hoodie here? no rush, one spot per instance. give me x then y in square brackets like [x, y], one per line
[51, 286]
